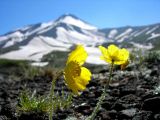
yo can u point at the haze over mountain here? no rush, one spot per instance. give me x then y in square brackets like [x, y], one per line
[32, 42]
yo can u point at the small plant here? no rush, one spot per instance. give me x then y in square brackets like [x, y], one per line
[114, 56]
[76, 77]
[31, 103]
[152, 56]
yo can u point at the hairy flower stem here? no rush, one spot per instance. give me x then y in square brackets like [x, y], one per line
[102, 97]
[51, 95]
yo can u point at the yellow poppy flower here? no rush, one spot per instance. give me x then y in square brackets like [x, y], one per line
[79, 55]
[114, 55]
[76, 76]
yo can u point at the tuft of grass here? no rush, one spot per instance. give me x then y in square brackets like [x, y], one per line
[31, 103]
[152, 56]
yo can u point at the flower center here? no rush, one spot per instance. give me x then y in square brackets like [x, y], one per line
[73, 69]
[77, 70]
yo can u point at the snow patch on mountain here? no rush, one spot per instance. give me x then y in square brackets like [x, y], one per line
[76, 22]
[153, 35]
[124, 34]
[34, 50]
[150, 31]
[142, 31]
[140, 46]
[94, 56]
[112, 33]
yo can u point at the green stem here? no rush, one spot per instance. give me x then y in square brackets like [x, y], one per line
[51, 95]
[102, 97]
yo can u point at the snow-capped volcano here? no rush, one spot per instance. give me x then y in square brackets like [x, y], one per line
[34, 41]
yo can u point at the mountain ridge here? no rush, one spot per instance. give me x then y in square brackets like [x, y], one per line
[34, 41]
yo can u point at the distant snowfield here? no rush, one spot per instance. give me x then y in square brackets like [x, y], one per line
[40, 46]
[147, 47]
[112, 33]
[34, 50]
[153, 35]
[94, 55]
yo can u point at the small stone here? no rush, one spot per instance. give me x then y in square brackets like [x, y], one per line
[128, 112]
[3, 117]
[157, 116]
[84, 109]
[107, 105]
[154, 72]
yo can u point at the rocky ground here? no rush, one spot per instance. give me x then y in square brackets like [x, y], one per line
[133, 94]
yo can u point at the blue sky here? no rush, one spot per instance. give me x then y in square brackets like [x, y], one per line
[101, 13]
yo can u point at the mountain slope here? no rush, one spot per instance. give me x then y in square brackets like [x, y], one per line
[34, 41]
[142, 36]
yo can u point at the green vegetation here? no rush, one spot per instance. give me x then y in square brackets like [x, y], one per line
[31, 103]
[12, 63]
[152, 56]
[56, 59]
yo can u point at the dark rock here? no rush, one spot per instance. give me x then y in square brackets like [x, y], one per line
[115, 92]
[152, 104]
[33, 116]
[107, 105]
[127, 102]
[8, 111]
[103, 114]
[143, 115]
[127, 90]
[154, 72]
[113, 114]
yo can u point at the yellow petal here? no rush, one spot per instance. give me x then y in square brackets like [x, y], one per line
[76, 77]
[114, 55]
[85, 76]
[105, 54]
[124, 54]
[113, 51]
[122, 57]
[79, 55]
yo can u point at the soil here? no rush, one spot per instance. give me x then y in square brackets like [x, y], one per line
[133, 94]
